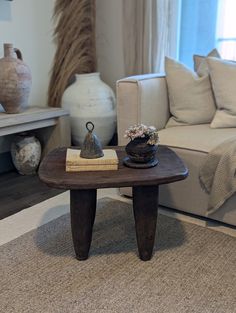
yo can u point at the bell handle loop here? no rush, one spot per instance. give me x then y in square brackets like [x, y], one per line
[89, 125]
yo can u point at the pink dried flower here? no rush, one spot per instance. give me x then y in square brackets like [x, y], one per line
[141, 131]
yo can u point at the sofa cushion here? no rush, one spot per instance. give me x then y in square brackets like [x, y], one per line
[190, 96]
[200, 62]
[201, 138]
[223, 78]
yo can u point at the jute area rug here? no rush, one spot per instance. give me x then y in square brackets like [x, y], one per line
[193, 269]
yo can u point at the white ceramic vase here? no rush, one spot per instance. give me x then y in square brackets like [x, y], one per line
[90, 99]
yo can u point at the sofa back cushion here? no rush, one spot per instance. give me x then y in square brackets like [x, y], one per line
[190, 96]
[223, 78]
[200, 62]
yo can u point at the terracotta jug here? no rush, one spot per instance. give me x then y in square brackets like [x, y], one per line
[15, 80]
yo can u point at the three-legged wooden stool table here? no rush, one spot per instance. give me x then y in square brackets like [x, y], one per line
[83, 190]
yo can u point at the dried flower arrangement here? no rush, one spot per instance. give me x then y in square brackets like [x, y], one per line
[143, 131]
[75, 38]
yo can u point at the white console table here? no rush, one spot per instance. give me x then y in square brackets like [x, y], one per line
[51, 126]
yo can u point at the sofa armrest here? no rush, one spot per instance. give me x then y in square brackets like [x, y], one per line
[141, 99]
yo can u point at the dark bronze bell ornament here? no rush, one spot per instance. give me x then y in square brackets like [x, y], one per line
[91, 148]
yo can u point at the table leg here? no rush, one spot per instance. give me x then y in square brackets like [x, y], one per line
[83, 210]
[145, 206]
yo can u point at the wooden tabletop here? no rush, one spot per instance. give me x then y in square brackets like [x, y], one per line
[169, 169]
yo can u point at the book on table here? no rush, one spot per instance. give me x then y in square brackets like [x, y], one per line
[74, 163]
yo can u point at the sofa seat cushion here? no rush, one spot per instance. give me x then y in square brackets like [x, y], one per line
[201, 138]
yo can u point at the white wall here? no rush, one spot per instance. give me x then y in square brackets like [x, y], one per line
[109, 40]
[27, 24]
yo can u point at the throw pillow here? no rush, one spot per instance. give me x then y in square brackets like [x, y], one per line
[223, 78]
[190, 96]
[200, 63]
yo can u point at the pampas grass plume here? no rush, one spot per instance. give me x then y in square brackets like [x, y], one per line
[75, 39]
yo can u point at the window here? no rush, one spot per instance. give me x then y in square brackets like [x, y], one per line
[207, 24]
[226, 29]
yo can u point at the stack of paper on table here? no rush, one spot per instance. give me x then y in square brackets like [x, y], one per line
[74, 163]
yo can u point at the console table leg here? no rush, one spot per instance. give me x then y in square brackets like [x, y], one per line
[145, 206]
[83, 210]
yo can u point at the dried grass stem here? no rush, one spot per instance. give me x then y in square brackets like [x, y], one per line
[76, 51]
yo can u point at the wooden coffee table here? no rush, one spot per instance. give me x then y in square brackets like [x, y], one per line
[83, 191]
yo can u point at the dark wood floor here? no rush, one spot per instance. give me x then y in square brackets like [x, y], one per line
[19, 192]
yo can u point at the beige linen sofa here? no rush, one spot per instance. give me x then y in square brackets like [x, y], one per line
[144, 99]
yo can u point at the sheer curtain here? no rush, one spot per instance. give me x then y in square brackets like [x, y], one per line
[150, 31]
[226, 29]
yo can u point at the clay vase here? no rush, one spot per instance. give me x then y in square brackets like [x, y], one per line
[15, 81]
[26, 153]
